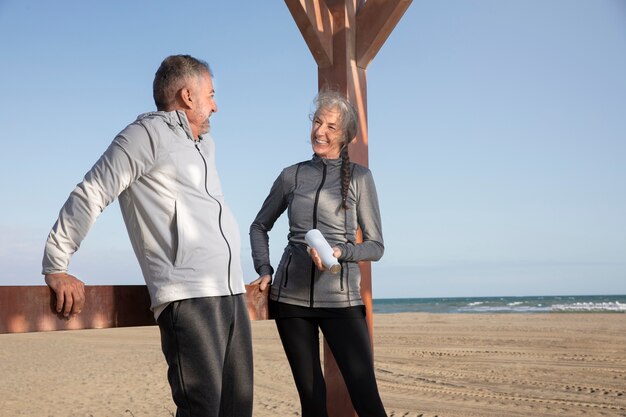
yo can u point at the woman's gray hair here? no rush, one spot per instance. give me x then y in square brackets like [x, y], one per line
[349, 117]
[174, 72]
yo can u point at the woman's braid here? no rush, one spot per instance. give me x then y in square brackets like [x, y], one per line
[345, 176]
[329, 99]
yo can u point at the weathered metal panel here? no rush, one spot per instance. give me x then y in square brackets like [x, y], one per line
[31, 308]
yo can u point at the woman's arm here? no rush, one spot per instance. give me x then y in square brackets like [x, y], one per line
[368, 217]
[273, 206]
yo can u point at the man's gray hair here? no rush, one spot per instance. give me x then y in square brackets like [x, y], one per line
[175, 71]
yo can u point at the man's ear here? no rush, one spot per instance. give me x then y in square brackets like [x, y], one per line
[184, 94]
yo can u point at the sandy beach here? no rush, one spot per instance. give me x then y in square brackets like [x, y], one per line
[453, 365]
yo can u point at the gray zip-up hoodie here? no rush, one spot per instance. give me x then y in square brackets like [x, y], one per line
[311, 192]
[183, 233]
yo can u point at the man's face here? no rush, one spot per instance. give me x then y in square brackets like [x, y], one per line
[204, 105]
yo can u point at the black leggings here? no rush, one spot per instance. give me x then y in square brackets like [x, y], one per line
[349, 342]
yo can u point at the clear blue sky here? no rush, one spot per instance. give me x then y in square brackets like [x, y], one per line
[497, 133]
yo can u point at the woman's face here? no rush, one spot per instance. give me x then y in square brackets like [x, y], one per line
[326, 134]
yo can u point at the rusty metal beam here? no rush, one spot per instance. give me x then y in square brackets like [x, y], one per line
[31, 308]
[315, 23]
[374, 23]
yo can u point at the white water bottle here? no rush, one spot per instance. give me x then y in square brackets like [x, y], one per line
[316, 240]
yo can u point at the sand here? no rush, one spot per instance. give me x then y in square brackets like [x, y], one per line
[427, 365]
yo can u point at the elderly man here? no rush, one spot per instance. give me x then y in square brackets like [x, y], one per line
[187, 242]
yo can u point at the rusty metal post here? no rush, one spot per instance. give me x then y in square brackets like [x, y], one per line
[344, 36]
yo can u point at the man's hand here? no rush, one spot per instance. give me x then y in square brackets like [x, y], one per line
[262, 282]
[70, 292]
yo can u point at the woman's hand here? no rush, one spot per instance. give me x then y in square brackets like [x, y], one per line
[262, 282]
[317, 260]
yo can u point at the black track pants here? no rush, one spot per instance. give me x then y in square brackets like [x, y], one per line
[349, 341]
[208, 349]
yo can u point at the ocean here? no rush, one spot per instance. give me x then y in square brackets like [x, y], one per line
[536, 304]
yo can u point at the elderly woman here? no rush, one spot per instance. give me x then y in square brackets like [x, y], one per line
[335, 196]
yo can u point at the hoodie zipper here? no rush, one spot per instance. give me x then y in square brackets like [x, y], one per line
[206, 178]
[317, 198]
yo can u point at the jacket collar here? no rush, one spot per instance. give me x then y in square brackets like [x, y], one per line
[174, 119]
[183, 122]
[329, 162]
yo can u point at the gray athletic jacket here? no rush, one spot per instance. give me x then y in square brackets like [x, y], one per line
[311, 192]
[183, 233]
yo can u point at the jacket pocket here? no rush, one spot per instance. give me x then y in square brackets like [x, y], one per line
[178, 236]
[174, 312]
[286, 271]
[343, 268]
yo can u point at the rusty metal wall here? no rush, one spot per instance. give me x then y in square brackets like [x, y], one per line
[31, 308]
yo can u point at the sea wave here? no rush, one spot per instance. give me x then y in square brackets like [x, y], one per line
[529, 304]
[504, 309]
[585, 307]
[520, 307]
